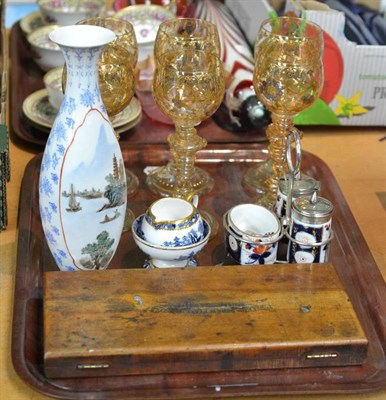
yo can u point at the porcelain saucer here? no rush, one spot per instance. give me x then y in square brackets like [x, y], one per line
[31, 22]
[40, 112]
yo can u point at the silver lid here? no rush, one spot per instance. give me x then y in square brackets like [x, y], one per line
[302, 186]
[314, 207]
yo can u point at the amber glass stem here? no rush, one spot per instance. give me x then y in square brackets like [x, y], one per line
[277, 133]
[184, 144]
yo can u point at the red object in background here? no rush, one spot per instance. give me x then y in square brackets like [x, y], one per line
[241, 108]
[333, 69]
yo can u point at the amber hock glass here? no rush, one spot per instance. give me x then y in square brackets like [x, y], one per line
[188, 87]
[116, 64]
[288, 78]
[175, 35]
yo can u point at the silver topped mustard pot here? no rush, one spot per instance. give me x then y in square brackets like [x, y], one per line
[310, 230]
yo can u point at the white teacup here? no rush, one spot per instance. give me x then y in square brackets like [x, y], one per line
[172, 222]
[252, 233]
[46, 53]
[146, 19]
[69, 12]
[252, 221]
[53, 83]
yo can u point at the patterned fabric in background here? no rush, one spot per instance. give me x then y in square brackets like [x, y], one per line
[375, 22]
[363, 24]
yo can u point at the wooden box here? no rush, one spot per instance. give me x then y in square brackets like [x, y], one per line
[229, 318]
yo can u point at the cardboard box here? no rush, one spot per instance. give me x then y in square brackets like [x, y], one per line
[355, 75]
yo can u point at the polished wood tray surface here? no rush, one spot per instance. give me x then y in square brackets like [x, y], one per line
[226, 163]
[26, 78]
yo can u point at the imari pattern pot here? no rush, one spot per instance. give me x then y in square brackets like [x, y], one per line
[310, 230]
[82, 186]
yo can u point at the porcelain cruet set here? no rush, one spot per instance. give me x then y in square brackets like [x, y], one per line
[297, 230]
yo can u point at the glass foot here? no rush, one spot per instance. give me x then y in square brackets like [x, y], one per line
[255, 179]
[162, 181]
[132, 182]
[129, 219]
[267, 200]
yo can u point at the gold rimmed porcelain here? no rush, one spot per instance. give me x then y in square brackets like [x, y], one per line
[38, 110]
[180, 223]
[69, 12]
[31, 22]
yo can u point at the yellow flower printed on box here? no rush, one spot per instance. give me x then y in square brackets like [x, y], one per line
[350, 107]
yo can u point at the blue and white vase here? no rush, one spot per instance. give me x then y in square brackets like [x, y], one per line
[82, 186]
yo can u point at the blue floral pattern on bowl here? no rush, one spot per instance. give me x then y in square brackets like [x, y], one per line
[168, 256]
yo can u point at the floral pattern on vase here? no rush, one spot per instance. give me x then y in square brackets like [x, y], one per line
[82, 186]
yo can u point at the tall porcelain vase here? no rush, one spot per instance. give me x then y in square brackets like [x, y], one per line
[82, 186]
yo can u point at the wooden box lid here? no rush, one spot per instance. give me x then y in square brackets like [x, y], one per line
[151, 321]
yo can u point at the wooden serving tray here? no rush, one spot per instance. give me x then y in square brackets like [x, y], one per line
[26, 78]
[226, 163]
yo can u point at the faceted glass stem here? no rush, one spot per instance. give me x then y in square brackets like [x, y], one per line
[277, 133]
[184, 144]
[162, 180]
[262, 180]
